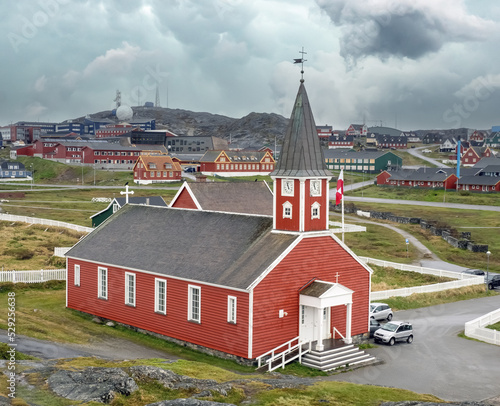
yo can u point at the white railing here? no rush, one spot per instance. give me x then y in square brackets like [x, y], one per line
[461, 280]
[45, 222]
[61, 251]
[475, 328]
[43, 275]
[338, 332]
[336, 227]
[289, 348]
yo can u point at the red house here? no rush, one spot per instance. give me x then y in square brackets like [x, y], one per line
[156, 169]
[237, 163]
[239, 285]
[422, 177]
[474, 154]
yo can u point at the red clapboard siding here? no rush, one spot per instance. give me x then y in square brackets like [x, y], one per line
[315, 224]
[213, 332]
[287, 223]
[184, 200]
[313, 258]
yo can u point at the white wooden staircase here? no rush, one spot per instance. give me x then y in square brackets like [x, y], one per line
[336, 355]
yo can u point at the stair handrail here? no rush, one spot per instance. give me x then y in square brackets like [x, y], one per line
[290, 348]
[339, 333]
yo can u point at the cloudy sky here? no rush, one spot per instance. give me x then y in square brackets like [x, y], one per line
[411, 64]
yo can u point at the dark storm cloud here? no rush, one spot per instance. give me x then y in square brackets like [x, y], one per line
[385, 28]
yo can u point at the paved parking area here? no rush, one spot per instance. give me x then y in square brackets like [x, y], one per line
[438, 362]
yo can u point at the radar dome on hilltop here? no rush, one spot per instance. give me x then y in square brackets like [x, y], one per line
[124, 113]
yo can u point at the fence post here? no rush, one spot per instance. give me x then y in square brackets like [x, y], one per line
[13, 276]
[41, 272]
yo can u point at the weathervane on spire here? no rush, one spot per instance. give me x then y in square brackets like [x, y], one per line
[301, 61]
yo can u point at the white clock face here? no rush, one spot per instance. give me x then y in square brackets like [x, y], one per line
[315, 188]
[288, 187]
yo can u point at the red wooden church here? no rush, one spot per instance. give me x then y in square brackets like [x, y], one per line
[240, 284]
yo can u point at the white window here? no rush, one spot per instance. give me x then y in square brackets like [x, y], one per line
[115, 207]
[315, 210]
[77, 275]
[287, 210]
[231, 309]
[130, 289]
[160, 296]
[102, 283]
[194, 304]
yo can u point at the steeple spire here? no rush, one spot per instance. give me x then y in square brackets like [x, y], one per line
[301, 154]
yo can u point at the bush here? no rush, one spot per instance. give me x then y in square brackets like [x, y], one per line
[20, 253]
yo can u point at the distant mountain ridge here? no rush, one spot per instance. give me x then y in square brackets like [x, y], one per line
[253, 130]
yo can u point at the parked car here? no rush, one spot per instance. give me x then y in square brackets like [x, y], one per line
[374, 326]
[394, 331]
[494, 282]
[380, 311]
[474, 272]
[191, 169]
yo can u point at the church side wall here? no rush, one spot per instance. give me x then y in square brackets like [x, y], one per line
[213, 331]
[313, 258]
[185, 201]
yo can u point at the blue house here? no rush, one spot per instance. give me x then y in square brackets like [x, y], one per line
[13, 170]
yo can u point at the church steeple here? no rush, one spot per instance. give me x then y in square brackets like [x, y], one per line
[301, 154]
[301, 193]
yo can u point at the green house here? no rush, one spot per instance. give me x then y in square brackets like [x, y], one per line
[118, 202]
[361, 161]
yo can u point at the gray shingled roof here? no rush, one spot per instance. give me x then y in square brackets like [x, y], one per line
[301, 154]
[234, 197]
[218, 248]
[479, 180]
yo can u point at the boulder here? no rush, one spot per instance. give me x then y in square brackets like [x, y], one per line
[92, 384]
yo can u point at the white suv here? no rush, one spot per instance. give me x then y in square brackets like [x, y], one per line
[380, 311]
[394, 331]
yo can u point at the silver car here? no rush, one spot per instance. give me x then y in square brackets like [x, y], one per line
[380, 311]
[394, 331]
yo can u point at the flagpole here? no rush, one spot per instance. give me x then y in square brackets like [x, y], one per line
[342, 218]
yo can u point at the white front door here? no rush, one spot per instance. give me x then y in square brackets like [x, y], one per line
[309, 323]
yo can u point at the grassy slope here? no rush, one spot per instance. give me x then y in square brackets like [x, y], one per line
[483, 225]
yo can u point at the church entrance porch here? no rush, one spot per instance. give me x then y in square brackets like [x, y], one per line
[315, 322]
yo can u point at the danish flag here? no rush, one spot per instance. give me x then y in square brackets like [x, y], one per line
[340, 188]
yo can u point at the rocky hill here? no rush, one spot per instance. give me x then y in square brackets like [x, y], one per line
[255, 129]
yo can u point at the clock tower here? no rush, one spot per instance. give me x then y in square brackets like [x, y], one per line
[301, 191]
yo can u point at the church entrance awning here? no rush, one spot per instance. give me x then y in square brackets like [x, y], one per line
[321, 294]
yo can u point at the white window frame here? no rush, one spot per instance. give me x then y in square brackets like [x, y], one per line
[287, 205]
[315, 206]
[157, 296]
[130, 290]
[102, 289]
[231, 309]
[194, 309]
[316, 181]
[283, 191]
[76, 275]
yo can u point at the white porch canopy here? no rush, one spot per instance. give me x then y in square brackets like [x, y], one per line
[321, 295]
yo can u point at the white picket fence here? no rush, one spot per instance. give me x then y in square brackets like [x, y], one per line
[461, 279]
[45, 222]
[475, 328]
[61, 251]
[42, 275]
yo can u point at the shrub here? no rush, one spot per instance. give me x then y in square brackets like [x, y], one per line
[20, 253]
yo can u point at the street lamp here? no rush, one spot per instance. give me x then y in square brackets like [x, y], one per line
[363, 184]
[487, 269]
